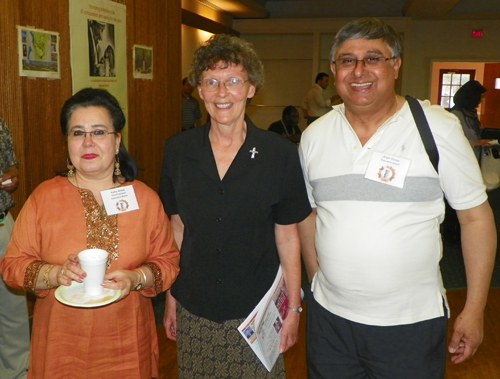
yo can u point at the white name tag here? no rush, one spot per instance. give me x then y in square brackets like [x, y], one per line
[388, 169]
[119, 200]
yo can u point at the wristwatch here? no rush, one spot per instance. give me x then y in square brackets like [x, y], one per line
[298, 310]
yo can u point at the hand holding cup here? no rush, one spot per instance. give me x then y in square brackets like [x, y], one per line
[93, 262]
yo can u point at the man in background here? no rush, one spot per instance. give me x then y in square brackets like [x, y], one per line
[14, 322]
[288, 125]
[314, 104]
[191, 114]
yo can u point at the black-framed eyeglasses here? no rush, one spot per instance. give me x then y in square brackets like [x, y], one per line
[373, 62]
[231, 84]
[97, 134]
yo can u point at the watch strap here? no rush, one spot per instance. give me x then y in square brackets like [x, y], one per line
[297, 310]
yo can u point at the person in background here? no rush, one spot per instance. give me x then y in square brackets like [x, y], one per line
[234, 194]
[66, 215]
[372, 244]
[191, 114]
[467, 99]
[14, 320]
[314, 104]
[288, 125]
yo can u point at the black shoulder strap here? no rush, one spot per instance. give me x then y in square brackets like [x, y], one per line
[424, 130]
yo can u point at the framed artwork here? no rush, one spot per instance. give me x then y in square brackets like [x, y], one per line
[38, 53]
[143, 62]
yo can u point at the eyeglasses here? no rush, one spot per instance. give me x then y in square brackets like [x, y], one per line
[97, 134]
[371, 62]
[231, 84]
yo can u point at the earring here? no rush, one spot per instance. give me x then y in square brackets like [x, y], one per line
[70, 167]
[117, 166]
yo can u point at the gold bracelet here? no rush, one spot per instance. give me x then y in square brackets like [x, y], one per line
[144, 276]
[46, 277]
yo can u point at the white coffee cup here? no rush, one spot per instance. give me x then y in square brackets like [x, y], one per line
[93, 262]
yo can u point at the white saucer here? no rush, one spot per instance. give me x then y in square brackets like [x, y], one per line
[75, 296]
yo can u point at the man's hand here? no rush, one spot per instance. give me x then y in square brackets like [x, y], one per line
[467, 336]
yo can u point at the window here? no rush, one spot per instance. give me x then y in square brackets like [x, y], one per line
[449, 83]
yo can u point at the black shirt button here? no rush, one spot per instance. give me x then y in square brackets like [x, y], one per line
[218, 219]
[217, 251]
[218, 281]
[221, 191]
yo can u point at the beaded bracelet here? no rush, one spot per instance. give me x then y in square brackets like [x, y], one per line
[46, 277]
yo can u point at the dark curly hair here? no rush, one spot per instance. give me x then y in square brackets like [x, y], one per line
[94, 97]
[228, 49]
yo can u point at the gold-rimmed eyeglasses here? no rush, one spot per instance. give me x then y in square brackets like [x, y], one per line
[97, 134]
[231, 84]
[370, 62]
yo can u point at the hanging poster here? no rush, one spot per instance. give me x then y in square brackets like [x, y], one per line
[38, 53]
[143, 62]
[98, 48]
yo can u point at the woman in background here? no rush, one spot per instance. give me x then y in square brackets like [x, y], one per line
[467, 99]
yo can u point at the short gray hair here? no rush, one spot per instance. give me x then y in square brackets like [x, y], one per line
[367, 28]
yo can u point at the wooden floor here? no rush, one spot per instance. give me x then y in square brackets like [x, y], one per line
[484, 365]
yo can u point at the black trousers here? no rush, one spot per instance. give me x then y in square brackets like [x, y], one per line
[341, 349]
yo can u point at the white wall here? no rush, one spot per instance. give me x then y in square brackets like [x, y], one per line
[449, 41]
[287, 64]
[292, 70]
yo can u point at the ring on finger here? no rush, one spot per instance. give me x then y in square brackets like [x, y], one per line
[62, 271]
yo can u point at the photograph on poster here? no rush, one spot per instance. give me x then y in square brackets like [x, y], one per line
[38, 53]
[143, 62]
[101, 37]
[98, 38]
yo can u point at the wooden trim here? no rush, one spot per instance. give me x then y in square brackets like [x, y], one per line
[199, 22]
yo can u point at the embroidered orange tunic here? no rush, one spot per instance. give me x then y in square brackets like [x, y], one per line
[115, 341]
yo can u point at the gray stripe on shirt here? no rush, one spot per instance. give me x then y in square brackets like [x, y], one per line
[355, 187]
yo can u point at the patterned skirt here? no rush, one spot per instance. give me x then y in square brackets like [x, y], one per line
[209, 350]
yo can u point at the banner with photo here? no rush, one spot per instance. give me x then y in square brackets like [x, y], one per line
[99, 48]
[38, 53]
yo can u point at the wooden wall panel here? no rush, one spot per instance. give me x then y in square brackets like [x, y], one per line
[45, 149]
[31, 106]
[154, 105]
[10, 85]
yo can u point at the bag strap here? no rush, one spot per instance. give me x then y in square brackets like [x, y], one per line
[424, 130]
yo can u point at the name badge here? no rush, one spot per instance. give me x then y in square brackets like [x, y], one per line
[387, 169]
[119, 200]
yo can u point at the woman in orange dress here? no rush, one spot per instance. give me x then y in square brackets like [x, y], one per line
[66, 215]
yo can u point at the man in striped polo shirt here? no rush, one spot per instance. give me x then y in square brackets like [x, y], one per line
[372, 244]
